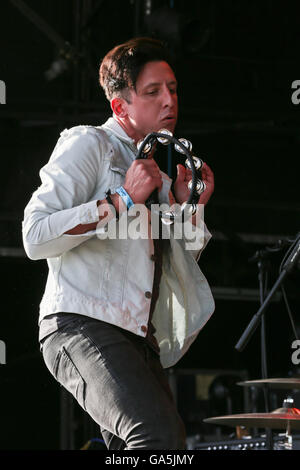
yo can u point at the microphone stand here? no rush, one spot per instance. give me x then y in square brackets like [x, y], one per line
[287, 267]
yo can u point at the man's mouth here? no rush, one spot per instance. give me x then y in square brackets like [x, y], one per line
[169, 118]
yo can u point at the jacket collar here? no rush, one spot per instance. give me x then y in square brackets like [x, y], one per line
[112, 126]
[117, 163]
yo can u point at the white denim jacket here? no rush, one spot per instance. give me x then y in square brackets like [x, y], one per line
[109, 280]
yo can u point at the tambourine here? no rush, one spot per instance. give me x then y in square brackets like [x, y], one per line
[193, 163]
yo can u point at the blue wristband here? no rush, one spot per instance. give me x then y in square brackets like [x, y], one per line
[125, 197]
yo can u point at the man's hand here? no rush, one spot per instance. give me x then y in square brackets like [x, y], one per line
[184, 175]
[142, 178]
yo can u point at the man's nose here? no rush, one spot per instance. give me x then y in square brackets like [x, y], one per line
[168, 97]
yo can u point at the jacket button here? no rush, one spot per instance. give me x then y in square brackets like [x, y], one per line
[144, 328]
[148, 295]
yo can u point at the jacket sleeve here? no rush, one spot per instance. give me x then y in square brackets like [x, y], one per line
[63, 200]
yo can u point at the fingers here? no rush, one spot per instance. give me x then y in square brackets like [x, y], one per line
[152, 173]
[148, 165]
[188, 174]
[207, 172]
[183, 173]
[152, 182]
[180, 172]
[142, 178]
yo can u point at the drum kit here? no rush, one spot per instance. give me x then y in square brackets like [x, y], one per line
[287, 417]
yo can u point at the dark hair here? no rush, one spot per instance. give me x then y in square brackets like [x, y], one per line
[121, 66]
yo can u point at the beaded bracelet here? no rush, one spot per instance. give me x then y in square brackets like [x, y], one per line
[109, 200]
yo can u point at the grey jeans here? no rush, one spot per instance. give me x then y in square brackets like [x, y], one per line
[119, 381]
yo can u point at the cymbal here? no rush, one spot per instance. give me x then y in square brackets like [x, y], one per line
[278, 419]
[290, 383]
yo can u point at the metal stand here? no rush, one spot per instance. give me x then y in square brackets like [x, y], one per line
[263, 266]
[287, 442]
[261, 256]
[293, 255]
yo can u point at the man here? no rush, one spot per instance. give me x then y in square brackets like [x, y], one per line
[105, 333]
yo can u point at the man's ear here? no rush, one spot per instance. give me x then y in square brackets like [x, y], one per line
[119, 107]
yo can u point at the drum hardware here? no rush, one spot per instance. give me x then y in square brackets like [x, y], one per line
[287, 418]
[245, 443]
[288, 383]
[287, 264]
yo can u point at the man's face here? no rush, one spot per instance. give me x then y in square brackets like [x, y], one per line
[154, 104]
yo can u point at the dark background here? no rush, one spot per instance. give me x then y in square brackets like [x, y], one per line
[235, 63]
